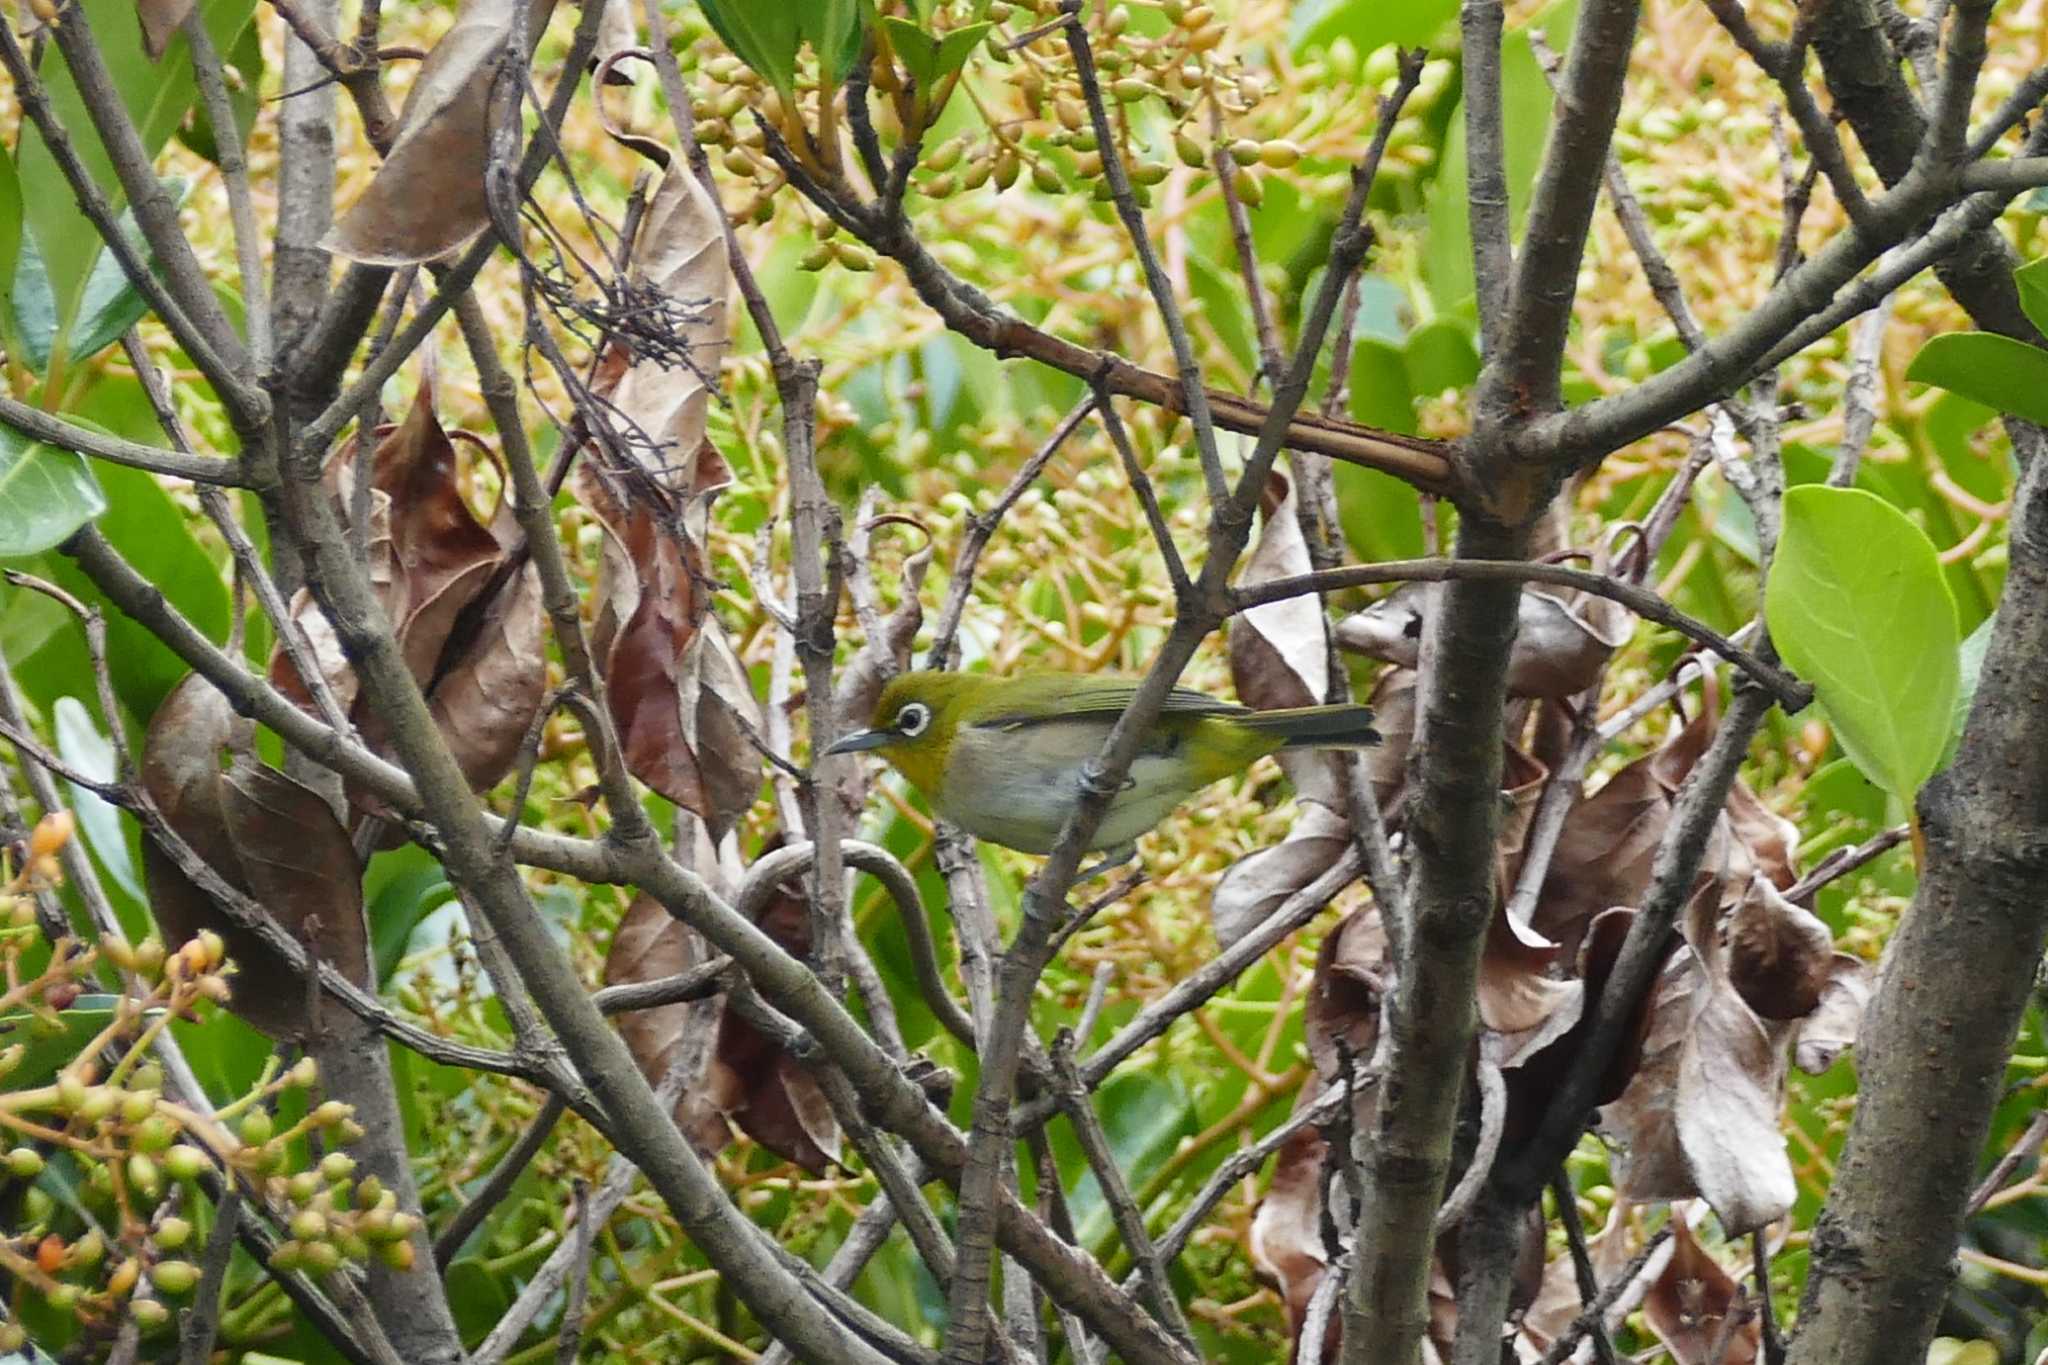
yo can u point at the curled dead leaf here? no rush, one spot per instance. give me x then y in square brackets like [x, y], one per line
[266, 835]
[1254, 886]
[161, 20]
[428, 196]
[1518, 997]
[1831, 1029]
[1560, 646]
[733, 1074]
[1286, 1240]
[1780, 957]
[679, 337]
[1698, 1311]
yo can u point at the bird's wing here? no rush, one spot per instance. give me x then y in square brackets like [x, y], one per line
[1110, 700]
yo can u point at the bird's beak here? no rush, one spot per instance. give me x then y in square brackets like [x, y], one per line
[860, 740]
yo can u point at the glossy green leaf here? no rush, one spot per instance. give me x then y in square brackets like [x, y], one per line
[956, 47]
[2032, 279]
[158, 95]
[832, 28]
[1995, 370]
[1970, 671]
[1525, 119]
[1369, 24]
[45, 495]
[1441, 356]
[81, 744]
[149, 529]
[764, 36]
[107, 307]
[1856, 605]
[46, 1049]
[10, 242]
[916, 49]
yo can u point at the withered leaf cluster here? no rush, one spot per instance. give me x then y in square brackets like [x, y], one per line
[468, 622]
[1752, 985]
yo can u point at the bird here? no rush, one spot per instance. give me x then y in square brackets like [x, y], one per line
[1004, 757]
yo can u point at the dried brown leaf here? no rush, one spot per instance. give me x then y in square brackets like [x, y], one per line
[1279, 656]
[681, 700]
[485, 703]
[681, 253]
[1730, 1077]
[1831, 1029]
[1690, 1303]
[1518, 997]
[650, 944]
[1254, 886]
[1286, 1241]
[428, 197]
[1779, 957]
[1604, 855]
[161, 20]
[264, 834]
[1559, 646]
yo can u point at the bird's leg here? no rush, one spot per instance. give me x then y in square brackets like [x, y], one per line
[1111, 858]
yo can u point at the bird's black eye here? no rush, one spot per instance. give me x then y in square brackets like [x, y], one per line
[911, 720]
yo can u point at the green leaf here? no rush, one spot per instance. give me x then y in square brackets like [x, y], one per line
[916, 49]
[1369, 24]
[1441, 356]
[149, 529]
[1525, 110]
[832, 27]
[1857, 605]
[10, 242]
[81, 744]
[45, 495]
[1995, 370]
[764, 36]
[1970, 672]
[2032, 278]
[157, 96]
[48, 1051]
[956, 47]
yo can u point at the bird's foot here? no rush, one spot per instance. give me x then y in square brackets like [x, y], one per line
[1111, 860]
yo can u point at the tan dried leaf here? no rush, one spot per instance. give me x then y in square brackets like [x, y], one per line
[161, 20]
[648, 945]
[681, 253]
[428, 197]
[1518, 997]
[264, 834]
[1254, 886]
[681, 700]
[1278, 652]
[1831, 1029]
[1603, 857]
[1559, 646]
[1286, 1240]
[486, 702]
[1779, 956]
[1690, 1304]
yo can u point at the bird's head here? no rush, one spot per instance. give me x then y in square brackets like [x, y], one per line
[914, 723]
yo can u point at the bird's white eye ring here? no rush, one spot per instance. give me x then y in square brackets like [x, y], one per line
[912, 719]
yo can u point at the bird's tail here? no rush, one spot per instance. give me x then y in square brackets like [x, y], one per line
[1316, 727]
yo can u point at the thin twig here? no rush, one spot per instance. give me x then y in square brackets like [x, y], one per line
[202, 1321]
[981, 526]
[448, 1243]
[1788, 690]
[1193, 395]
[1073, 1099]
[1582, 1266]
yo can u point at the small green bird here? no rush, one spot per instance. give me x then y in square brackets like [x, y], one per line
[1003, 757]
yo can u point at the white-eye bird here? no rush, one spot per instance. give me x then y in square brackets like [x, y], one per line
[1003, 757]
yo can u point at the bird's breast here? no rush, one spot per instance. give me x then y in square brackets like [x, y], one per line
[1017, 787]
